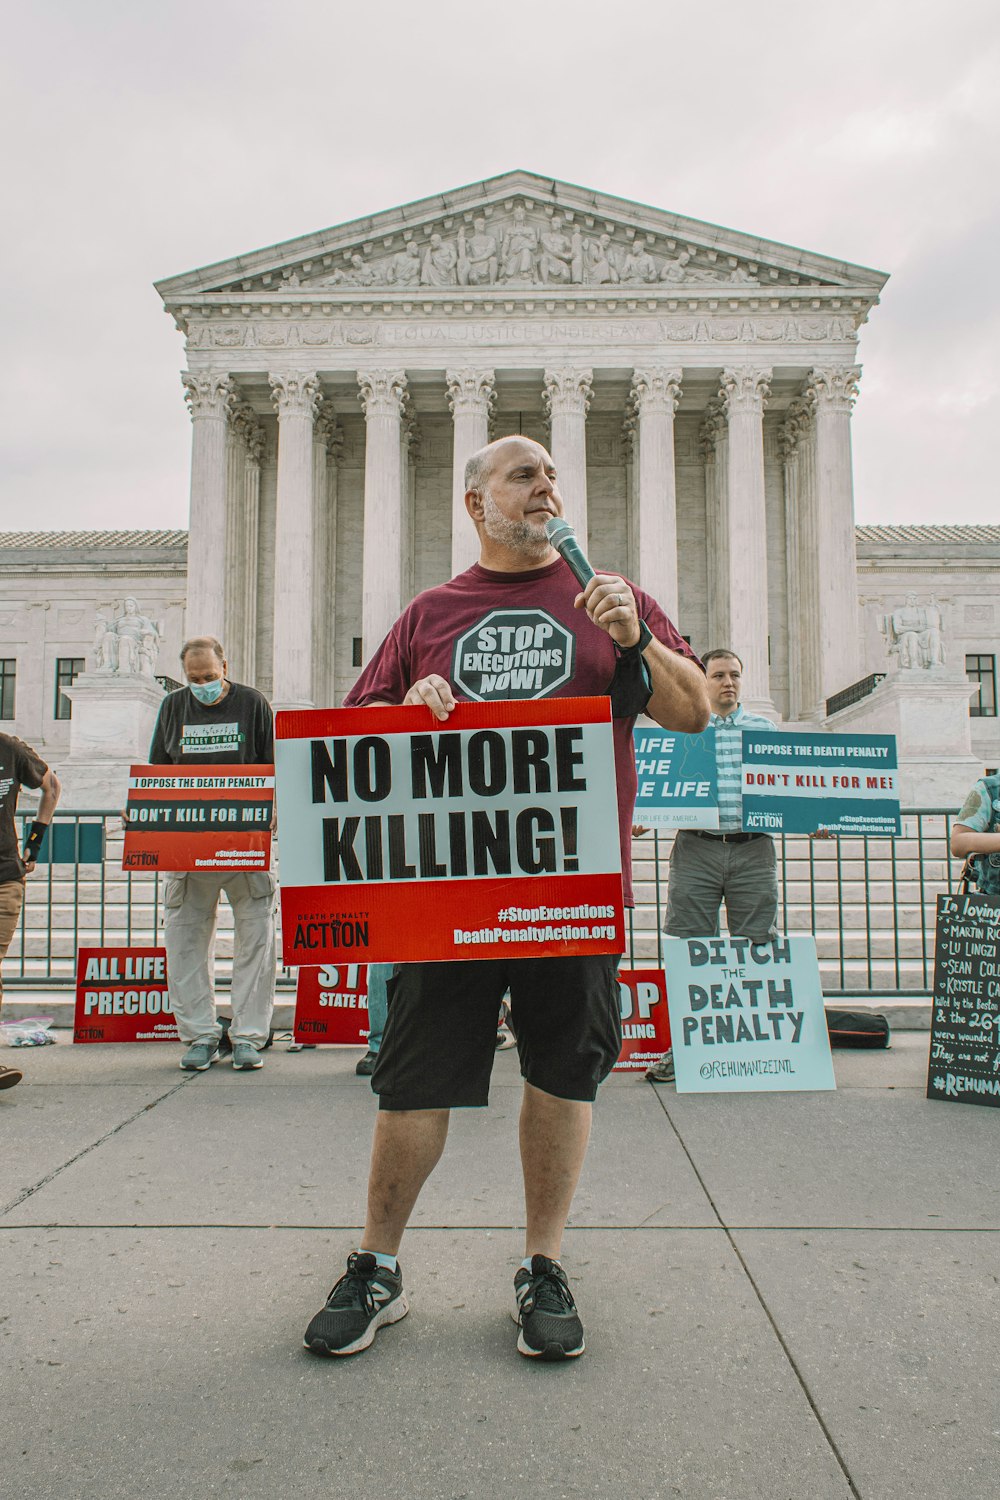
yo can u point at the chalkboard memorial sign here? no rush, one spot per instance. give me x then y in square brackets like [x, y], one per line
[964, 1063]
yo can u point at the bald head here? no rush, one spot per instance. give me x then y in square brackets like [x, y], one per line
[510, 493]
[479, 469]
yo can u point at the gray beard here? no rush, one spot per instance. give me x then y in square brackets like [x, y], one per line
[525, 537]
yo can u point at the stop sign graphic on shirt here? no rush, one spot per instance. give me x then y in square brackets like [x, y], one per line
[513, 653]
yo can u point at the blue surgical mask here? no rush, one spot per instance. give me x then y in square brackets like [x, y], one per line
[207, 692]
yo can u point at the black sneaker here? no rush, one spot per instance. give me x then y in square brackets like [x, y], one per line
[546, 1313]
[366, 1297]
[366, 1065]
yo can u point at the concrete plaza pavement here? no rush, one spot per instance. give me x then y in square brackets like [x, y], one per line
[794, 1296]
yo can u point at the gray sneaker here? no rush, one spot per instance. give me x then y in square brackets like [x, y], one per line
[200, 1056]
[246, 1056]
[662, 1071]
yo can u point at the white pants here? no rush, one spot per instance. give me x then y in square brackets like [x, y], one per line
[191, 904]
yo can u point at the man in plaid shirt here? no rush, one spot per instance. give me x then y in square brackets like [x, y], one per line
[707, 867]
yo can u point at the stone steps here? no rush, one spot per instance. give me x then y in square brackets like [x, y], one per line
[878, 917]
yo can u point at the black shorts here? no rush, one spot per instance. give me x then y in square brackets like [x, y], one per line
[440, 1037]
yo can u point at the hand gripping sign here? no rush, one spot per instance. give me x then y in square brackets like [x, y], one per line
[199, 818]
[494, 834]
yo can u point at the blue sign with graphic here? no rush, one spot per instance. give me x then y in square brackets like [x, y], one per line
[678, 784]
[747, 1017]
[811, 783]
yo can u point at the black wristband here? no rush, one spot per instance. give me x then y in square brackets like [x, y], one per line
[34, 841]
[645, 636]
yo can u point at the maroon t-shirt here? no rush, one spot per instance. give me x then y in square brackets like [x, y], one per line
[513, 635]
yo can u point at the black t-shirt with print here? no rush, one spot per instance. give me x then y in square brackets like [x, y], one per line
[19, 766]
[238, 730]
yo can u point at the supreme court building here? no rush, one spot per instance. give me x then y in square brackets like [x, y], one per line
[694, 386]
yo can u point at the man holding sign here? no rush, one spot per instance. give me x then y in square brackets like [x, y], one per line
[213, 721]
[515, 625]
[708, 867]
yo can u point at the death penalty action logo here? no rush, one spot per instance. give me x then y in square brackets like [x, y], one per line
[513, 653]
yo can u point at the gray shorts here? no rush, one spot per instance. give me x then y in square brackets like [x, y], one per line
[704, 872]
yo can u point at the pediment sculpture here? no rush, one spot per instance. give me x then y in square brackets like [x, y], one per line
[128, 643]
[519, 249]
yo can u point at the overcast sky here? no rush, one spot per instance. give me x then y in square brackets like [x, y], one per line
[142, 141]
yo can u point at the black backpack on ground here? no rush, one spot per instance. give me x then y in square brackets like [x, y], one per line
[857, 1028]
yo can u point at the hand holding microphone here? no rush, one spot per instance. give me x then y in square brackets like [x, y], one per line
[607, 598]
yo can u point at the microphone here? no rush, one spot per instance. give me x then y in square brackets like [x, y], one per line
[563, 538]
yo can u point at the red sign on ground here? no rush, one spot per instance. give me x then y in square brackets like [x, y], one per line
[645, 1019]
[121, 996]
[493, 835]
[331, 1005]
[199, 818]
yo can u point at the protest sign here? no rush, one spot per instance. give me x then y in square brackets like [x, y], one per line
[199, 818]
[678, 782]
[805, 783]
[645, 1019]
[964, 1062]
[745, 1016]
[121, 996]
[406, 839]
[331, 1005]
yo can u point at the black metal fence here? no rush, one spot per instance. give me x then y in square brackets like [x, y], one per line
[870, 903]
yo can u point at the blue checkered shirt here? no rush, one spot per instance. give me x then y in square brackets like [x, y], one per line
[729, 762]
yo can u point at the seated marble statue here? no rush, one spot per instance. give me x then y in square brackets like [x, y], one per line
[915, 636]
[129, 643]
[404, 268]
[638, 266]
[440, 262]
[556, 259]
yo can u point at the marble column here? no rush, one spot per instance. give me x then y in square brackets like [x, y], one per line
[328, 442]
[654, 397]
[382, 396]
[833, 393]
[409, 449]
[252, 433]
[714, 449]
[567, 401]
[744, 393]
[209, 395]
[296, 396]
[792, 440]
[470, 396]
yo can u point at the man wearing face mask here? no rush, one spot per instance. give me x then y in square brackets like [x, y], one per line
[213, 721]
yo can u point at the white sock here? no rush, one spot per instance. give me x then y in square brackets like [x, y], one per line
[387, 1262]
